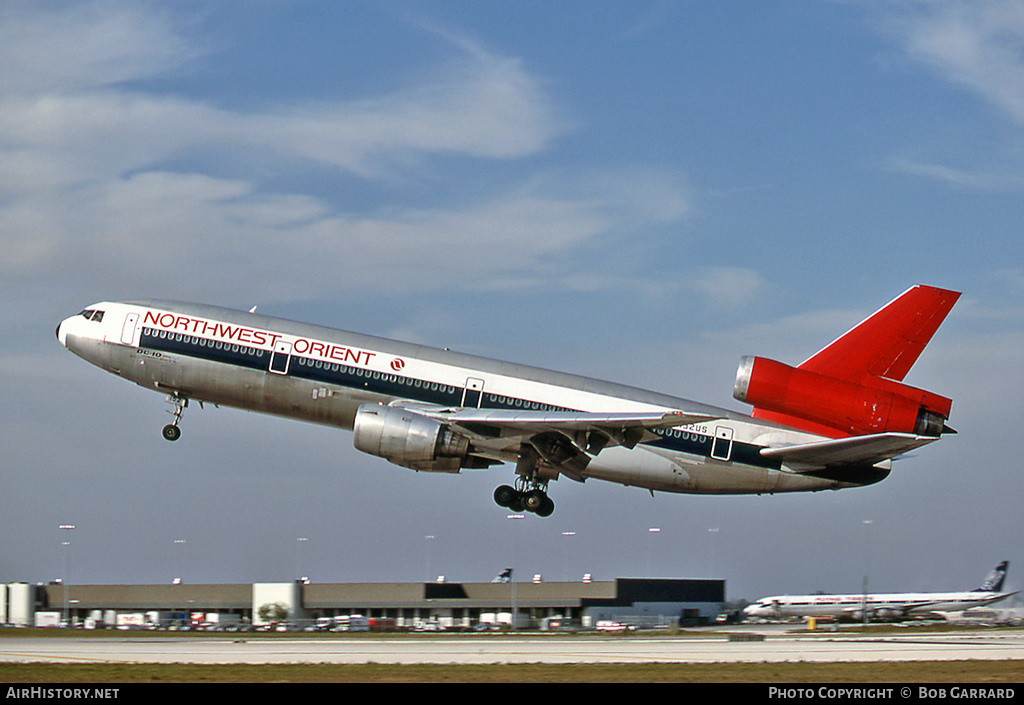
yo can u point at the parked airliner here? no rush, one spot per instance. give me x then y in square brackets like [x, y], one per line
[886, 606]
[833, 422]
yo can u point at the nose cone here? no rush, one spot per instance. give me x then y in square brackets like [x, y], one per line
[69, 329]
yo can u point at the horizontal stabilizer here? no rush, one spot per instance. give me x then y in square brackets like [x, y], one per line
[856, 450]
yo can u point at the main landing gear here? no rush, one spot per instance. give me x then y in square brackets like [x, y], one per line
[531, 490]
[525, 496]
[171, 432]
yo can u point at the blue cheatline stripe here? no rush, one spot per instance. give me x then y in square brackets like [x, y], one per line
[404, 387]
[681, 441]
[204, 348]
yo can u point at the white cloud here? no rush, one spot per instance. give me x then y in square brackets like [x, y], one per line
[71, 101]
[978, 44]
[87, 193]
[224, 234]
[959, 178]
[727, 287]
[487, 109]
[494, 112]
[81, 177]
[60, 46]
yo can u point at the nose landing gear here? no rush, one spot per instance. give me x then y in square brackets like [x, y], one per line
[171, 432]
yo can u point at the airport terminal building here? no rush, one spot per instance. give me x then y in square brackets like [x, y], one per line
[634, 602]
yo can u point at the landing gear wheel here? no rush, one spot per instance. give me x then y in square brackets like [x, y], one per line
[547, 508]
[534, 500]
[504, 496]
[171, 432]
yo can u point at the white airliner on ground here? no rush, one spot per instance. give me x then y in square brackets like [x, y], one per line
[886, 606]
[835, 421]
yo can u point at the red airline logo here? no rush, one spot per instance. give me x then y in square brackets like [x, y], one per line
[329, 352]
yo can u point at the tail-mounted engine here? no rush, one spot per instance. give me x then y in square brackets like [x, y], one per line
[409, 439]
[810, 401]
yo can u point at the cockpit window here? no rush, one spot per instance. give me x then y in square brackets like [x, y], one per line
[92, 315]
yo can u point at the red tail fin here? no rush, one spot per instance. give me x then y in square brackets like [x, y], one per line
[853, 386]
[889, 342]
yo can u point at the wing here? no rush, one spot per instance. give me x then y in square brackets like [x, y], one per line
[857, 450]
[564, 439]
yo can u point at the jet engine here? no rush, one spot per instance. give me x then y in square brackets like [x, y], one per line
[806, 399]
[879, 614]
[408, 439]
[888, 613]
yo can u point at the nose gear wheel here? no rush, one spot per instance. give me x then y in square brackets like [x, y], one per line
[171, 432]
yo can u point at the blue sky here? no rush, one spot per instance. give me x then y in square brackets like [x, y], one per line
[637, 191]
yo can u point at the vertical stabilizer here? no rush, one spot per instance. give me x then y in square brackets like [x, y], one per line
[854, 386]
[887, 343]
[994, 581]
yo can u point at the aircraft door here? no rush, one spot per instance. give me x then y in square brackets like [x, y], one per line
[721, 447]
[473, 393]
[280, 358]
[128, 331]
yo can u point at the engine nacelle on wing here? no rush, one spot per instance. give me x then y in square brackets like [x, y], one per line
[875, 405]
[408, 439]
[882, 614]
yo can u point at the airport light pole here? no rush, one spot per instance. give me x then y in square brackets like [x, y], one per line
[713, 534]
[180, 544]
[67, 561]
[653, 531]
[298, 548]
[427, 541]
[565, 555]
[512, 578]
[864, 607]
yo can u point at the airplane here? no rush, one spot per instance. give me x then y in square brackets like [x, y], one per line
[836, 421]
[884, 607]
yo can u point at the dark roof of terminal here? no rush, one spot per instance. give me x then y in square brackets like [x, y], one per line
[151, 597]
[328, 595]
[623, 591]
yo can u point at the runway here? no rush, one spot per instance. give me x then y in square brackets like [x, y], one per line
[981, 645]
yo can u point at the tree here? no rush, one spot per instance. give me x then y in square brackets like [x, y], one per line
[273, 612]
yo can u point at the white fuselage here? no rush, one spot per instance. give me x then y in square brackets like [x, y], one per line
[322, 375]
[882, 606]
